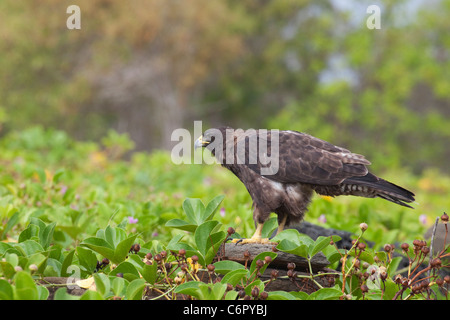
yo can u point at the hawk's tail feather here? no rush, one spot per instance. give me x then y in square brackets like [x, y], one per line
[384, 189]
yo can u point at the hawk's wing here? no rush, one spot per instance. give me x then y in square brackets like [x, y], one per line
[305, 159]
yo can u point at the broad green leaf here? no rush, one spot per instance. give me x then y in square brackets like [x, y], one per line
[7, 269]
[202, 235]
[25, 287]
[149, 272]
[214, 291]
[291, 247]
[261, 257]
[117, 285]
[66, 263]
[29, 247]
[194, 209]
[325, 294]
[6, 290]
[181, 224]
[280, 295]
[123, 249]
[269, 227]
[42, 293]
[31, 232]
[128, 270]
[100, 246]
[46, 234]
[318, 245]
[135, 289]
[86, 258]
[189, 288]
[62, 294]
[225, 266]
[91, 295]
[211, 208]
[234, 277]
[102, 283]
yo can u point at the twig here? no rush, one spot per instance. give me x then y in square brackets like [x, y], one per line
[432, 244]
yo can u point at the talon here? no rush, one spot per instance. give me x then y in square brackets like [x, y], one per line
[236, 241]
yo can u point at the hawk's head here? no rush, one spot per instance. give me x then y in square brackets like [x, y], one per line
[211, 135]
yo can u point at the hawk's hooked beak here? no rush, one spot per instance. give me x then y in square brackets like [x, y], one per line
[200, 143]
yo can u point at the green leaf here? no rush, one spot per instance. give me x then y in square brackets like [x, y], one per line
[189, 288]
[194, 209]
[128, 270]
[25, 287]
[135, 289]
[87, 259]
[102, 283]
[6, 290]
[117, 285]
[122, 249]
[62, 294]
[235, 276]
[261, 257]
[320, 244]
[181, 224]
[7, 269]
[225, 266]
[31, 232]
[114, 235]
[291, 247]
[202, 235]
[91, 295]
[46, 234]
[212, 207]
[269, 227]
[42, 293]
[29, 247]
[149, 272]
[280, 295]
[390, 289]
[325, 294]
[66, 263]
[100, 246]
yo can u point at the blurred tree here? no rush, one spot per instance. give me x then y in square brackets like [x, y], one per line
[147, 67]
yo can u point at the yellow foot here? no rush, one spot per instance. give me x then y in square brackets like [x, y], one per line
[253, 240]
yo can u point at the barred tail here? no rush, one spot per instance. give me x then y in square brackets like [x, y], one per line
[383, 189]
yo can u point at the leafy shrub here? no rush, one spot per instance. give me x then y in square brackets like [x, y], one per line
[139, 227]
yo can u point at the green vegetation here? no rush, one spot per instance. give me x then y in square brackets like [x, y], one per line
[89, 191]
[132, 227]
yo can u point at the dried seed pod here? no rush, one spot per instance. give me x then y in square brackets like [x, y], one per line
[436, 263]
[259, 263]
[274, 274]
[267, 259]
[255, 292]
[444, 218]
[364, 288]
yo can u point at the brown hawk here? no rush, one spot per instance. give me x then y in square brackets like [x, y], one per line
[304, 165]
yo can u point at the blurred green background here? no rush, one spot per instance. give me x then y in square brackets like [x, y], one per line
[139, 69]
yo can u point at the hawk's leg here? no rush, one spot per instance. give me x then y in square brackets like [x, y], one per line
[256, 238]
[282, 224]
